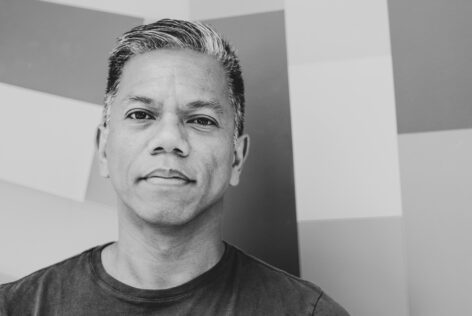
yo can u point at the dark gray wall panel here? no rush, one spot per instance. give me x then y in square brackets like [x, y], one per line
[432, 49]
[57, 49]
[260, 213]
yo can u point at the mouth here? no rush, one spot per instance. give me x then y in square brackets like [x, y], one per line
[167, 177]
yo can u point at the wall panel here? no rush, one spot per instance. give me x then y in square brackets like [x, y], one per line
[436, 183]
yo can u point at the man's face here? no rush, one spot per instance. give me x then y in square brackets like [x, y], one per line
[169, 148]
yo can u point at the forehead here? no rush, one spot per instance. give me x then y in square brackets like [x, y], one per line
[183, 72]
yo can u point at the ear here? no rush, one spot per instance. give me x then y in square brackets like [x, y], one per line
[241, 150]
[102, 136]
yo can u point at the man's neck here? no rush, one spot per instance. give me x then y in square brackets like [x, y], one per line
[151, 258]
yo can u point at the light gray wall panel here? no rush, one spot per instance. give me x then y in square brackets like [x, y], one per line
[436, 174]
[4, 278]
[359, 262]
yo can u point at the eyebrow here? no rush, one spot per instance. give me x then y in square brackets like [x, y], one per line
[209, 104]
[140, 99]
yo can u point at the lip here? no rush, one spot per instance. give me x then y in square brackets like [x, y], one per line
[167, 176]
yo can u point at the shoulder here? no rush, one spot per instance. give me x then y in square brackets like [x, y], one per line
[260, 271]
[326, 306]
[285, 288]
[47, 273]
[44, 281]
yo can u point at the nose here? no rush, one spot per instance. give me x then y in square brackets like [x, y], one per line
[169, 136]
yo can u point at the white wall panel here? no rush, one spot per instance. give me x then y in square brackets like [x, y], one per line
[39, 229]
[345, 139]
[212, 9]
[149, 9]
[47, 141]
[336, 29]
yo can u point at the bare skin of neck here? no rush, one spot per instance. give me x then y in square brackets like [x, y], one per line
[150, 257]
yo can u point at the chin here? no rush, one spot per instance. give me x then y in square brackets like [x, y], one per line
[170, 212]
[169, 216]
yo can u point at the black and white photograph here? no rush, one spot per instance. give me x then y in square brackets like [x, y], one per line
[209, 157]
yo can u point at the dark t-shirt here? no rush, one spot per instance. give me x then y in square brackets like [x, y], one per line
[237, 285]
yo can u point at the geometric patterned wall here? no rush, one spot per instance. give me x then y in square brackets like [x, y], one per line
[349, 207]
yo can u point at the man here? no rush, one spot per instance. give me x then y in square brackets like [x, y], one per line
[171, 143]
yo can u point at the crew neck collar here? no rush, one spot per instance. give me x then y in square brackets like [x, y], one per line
[118, 288]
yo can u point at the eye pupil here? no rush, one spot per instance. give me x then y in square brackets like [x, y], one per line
[139, 115]
[203, 121]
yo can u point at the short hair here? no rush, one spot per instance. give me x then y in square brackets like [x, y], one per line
[177, 34]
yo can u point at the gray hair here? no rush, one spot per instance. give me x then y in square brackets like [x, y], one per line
[168, 33]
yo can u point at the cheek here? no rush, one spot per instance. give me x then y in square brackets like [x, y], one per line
[220, 166]
[119, 152]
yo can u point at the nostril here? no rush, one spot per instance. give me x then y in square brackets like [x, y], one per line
[169, 138]
[157, 150]
[178, 151]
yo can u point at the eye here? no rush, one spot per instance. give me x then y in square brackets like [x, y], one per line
[203, 121]
[140, 115]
